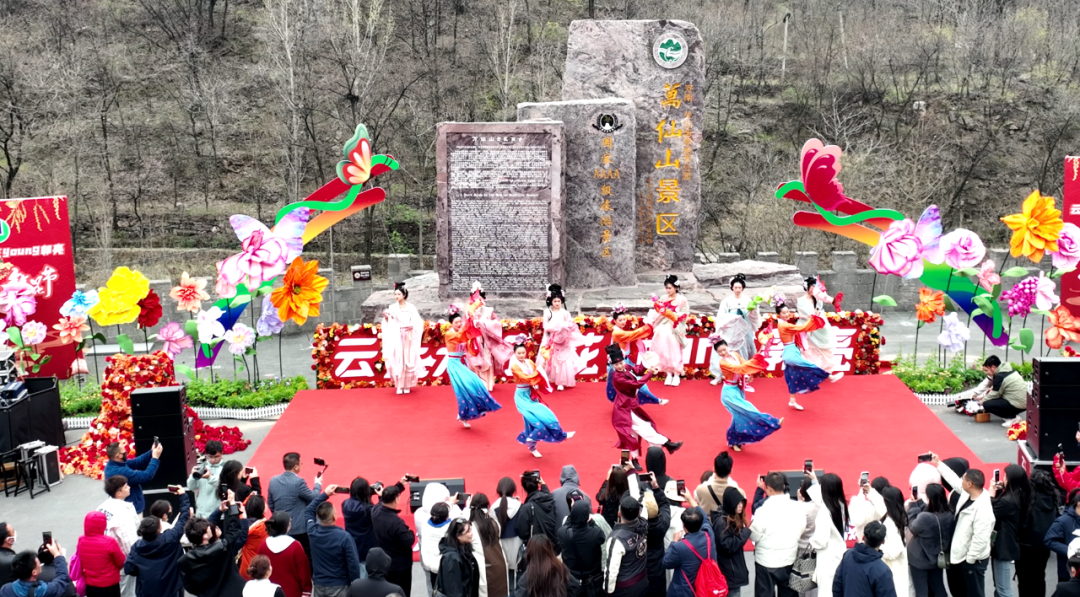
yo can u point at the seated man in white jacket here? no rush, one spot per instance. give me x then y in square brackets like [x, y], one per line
[974, 524]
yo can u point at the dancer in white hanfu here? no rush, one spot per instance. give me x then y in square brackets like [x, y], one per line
[819, 346]
[736, 323]
[402, 330]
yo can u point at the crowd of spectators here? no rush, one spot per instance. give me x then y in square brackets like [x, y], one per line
[950, 529]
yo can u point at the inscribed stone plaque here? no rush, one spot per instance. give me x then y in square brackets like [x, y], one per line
[660, 65]
[499, 209]
[600, 165]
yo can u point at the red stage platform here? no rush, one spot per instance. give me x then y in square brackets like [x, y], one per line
[861, 423]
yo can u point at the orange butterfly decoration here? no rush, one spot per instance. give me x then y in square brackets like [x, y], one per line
[1064, 328]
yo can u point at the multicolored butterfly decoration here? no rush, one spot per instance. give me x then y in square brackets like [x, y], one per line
[359, 165]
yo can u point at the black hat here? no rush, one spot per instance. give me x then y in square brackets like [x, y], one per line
[614, 353]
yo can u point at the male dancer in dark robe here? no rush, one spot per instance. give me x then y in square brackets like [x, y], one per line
[628, 417]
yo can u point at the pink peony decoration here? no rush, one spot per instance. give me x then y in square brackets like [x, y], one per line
[988, 276]
[174, 339]
[265, 254]
[1045, 299]
[1068, 254]
[962, 248]
[899, 252]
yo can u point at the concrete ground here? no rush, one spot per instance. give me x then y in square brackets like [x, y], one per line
[62, 510]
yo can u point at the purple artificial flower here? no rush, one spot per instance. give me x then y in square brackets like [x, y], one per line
[269, 322]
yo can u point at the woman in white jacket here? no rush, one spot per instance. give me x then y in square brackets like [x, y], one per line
[867, 506]
[894, 550]
[432, 520]
[829, 528]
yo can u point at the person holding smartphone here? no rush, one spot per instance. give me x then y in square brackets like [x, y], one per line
[333, 552]
[1010, 496]
[141, 469]
[153, 560]
[209, 568]
[289, 492]
[205, 477]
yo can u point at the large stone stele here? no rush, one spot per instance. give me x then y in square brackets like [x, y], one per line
[665, 78]
[600, 217]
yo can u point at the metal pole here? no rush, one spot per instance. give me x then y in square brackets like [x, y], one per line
[783, 54]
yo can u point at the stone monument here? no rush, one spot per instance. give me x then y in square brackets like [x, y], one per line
[600, 165]
[660, 66]
[500, 204]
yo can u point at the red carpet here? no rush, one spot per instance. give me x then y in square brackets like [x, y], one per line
[870, 423]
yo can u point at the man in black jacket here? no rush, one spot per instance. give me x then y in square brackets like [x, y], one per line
[155, 557]
[375, 585]
[209, 569]
[7, 553]
[537, 513]
[1071, 587]
[394, 537]
[659, 511]
[626, 573]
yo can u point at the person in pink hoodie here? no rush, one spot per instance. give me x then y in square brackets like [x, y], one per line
[100, 557]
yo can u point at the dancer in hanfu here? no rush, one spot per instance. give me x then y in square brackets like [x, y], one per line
[402, 330]
[736, 323]
[748, 424]
[558, 355]
[622, 337]
[668, 318]
[819, 346]
[801, 375]
[473, 398]
[541, 425]
[629, 419]
[487, 353]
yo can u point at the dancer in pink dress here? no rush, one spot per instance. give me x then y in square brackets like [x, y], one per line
[488, 354]
[668, 318]
[402, 330]
[558, 355]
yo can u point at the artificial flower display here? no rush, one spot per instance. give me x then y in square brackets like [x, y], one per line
[71, 329]
[240, 338]
[899, 252]
[265, 254]
[1067, 255]
[988, 276]
[173, 339]
[34, 333]
[301, 293]
[1036, 228]
[18, 300]
[962, 248]
[79, 303]
[1045, 299]
[269, 323]
[208, 325]
[118, 302]
[954, 334]
[1064, 328]
[189, 293]
[1021, 297]
[149, 310]
[931, 304]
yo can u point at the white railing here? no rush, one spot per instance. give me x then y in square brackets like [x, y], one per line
[943, 399]
[204, 412]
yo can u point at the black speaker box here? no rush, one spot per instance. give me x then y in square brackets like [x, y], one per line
[153, 402]
[1055, 371]
[416, 490]
[161, 426]
[1054, 397]
[164, 494]
[178, 457]
[1046, 428]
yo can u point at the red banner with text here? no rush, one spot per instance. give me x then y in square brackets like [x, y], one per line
[1070, 212]
[351, 356]
[38, 246]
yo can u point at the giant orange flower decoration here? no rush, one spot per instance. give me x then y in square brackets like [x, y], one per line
[1036, 229]
[931, 304]
[301, 293]
[1065, 328]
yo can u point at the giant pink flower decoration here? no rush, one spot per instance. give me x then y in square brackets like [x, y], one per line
[899, 252]
[174, 339]
[18, 300]
[988, 276]
[1068, 254]
[1045, 299]
[962, 248]
[265, 254]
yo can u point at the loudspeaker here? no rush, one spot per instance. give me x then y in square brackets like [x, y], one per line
[174, 425]
[1053, 412]
[49, 465]
[178, 457]
[164, 494]
[153, 402]
[416, 490]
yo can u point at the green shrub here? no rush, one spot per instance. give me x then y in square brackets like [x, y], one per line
[86, 401]
[931, 378]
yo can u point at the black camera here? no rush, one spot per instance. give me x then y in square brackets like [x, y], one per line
[377, 487]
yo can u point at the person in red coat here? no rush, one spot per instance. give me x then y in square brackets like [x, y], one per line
[289, 565]
[629, 419]
[100, 557]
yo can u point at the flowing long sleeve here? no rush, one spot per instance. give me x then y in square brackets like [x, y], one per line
[754, 366]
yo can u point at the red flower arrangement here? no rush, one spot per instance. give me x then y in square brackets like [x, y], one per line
[123, 374]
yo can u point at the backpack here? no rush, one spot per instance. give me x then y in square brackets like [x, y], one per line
[710, 582]
[75, 573]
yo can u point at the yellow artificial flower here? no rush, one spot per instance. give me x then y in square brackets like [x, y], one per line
[1036, 229]
[118, 302]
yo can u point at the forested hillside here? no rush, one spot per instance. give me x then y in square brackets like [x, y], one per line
[159, 118]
